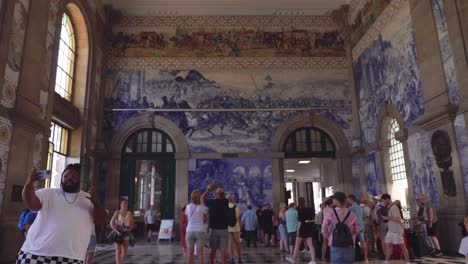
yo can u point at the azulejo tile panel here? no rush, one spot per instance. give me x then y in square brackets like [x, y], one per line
[254, 104]
[446, 51]
[386, 71]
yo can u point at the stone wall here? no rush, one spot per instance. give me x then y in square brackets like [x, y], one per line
[28, 53]
[404, 60]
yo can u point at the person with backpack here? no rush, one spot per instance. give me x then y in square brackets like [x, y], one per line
[218, 222]
[359, 211]
[395, 229]
[234, 229]
[340, 226]
[305, 230]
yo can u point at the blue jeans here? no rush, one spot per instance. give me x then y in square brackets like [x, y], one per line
[341, 255]
[283, 232]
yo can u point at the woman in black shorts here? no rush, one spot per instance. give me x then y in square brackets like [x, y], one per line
[306, 230]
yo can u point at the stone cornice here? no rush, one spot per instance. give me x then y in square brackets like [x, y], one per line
[314, 63]
[228, 21]
[437, 119]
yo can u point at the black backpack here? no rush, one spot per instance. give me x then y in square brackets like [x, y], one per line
[231, 217]
[342, 236]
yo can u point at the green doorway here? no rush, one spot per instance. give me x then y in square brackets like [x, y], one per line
[148, 172]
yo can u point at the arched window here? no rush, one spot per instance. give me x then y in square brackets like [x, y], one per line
[309, 142]
[71, 84]
[66, 59]
[397, 183]
[149, 141]
[397, 157]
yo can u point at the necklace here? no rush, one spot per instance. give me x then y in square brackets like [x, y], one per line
[66, 200]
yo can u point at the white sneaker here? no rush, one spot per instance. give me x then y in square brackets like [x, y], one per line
[290, 260]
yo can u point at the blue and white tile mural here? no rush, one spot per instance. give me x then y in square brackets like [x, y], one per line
[357, 176]
[387, 71]
[447, 52]
[423, 166]
[461, 133]
[249, 179]
[373, 170]
[259, 102]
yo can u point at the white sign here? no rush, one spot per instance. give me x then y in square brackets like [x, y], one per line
[165, 231]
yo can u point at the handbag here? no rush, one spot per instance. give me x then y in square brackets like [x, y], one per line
[115, 238]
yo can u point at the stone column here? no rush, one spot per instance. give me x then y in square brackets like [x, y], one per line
[279, 185]
[439, 112]
[181, 182]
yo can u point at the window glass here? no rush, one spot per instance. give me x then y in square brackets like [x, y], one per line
[57, 154]
[397, 160]
[66, 59]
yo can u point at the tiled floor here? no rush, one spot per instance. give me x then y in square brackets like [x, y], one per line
[144, 253]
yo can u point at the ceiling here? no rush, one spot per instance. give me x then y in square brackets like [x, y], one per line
[305, 172]
[224, 7]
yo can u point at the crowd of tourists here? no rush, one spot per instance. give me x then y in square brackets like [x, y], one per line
[60, 226]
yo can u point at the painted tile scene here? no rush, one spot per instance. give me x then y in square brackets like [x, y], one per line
[222, 132]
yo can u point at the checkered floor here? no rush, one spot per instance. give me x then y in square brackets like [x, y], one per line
[145, 253]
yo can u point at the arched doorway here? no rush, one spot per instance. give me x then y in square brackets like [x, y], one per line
[340, 177]
[148, 172]
[310, 165]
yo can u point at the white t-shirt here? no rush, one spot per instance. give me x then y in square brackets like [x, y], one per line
[150, 217]
[62, 227]
[393, 226]
[464, 247]
[195, 216]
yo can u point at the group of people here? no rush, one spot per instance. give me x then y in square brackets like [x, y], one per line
[221, 216]
[341, 224]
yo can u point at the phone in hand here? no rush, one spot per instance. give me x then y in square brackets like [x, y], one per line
[45, 174]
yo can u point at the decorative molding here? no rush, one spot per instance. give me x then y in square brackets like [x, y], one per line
[354, 7]
[229, 21]
[15, 55]
[314, 63]
[372, 34]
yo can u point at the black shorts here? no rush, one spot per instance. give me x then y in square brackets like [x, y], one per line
[432, 231]
[268, 230]
[292, 238]
[151, 227]
[307, 230]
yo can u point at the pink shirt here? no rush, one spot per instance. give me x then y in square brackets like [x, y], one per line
[330, 222]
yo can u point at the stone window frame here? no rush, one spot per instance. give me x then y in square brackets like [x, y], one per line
[388, 114]
[71, 113]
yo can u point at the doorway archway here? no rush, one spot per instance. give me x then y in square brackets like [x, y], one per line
[148, 172]
[340, 153]
[181, 157]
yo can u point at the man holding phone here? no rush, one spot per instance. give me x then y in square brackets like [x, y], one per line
[218, 210]
[62, 230]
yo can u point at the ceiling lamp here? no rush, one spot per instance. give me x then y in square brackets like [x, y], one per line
[304, 162]
[290, 170]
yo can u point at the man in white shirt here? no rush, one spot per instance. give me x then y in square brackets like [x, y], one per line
[395, 229]
[63, 227]
[150, 221]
